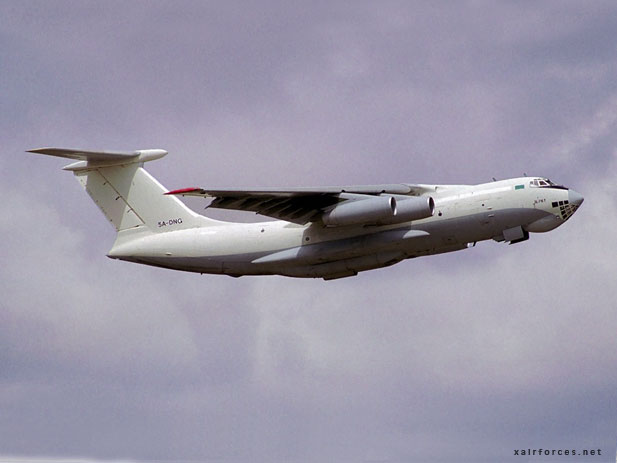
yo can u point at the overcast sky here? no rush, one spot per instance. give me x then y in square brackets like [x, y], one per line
[459, 357]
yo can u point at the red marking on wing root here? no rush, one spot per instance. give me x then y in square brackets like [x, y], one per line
[182, 191]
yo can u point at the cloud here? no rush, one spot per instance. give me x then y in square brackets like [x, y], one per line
[448, 357]
[604, 119]
[59, 309]
[11, 459]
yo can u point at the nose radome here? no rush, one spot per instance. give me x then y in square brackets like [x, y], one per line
[575, 198]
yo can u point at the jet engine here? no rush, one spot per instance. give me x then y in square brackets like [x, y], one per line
[413, 208]
[379, 210]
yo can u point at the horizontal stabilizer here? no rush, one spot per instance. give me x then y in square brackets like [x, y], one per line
[83, 155]
[101, 158]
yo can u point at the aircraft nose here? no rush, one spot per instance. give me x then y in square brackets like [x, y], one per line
[575, 198]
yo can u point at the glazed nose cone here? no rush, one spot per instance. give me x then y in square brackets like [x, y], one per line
[575, 198]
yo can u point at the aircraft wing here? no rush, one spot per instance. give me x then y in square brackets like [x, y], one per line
[297, 205]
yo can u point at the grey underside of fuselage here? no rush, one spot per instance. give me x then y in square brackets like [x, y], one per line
[358, 253]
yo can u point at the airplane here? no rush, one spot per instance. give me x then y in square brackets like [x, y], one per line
[320, 232]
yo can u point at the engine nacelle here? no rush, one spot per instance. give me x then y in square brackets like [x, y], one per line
[374, 209]
[414, 208]
[379, 210]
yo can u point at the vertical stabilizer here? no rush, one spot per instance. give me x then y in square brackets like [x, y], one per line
[128, 196]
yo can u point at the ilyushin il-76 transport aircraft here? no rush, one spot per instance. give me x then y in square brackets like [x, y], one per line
[322, 232]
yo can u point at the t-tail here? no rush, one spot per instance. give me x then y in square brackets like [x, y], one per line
[131, 199]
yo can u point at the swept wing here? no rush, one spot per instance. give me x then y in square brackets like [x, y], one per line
[297, 205]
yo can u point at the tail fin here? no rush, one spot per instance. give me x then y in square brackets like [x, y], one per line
[130, 197]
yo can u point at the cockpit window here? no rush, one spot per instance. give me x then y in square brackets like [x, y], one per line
[543, 183]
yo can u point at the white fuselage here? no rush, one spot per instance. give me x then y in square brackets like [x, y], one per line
[502, 210]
